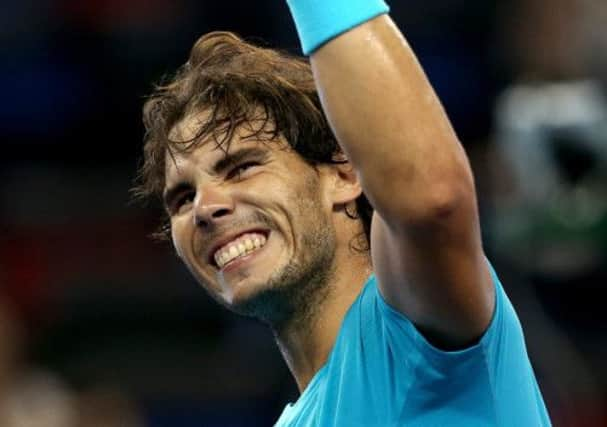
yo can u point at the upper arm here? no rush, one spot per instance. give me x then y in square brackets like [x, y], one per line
[436, 273]
[425, 239]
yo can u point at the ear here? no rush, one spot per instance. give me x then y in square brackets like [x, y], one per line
[343, 183]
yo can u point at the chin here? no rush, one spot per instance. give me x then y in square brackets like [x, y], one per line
[242, 293]
[267, 303]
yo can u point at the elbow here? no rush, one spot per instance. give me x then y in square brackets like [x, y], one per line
[440, 203]
[427, 197]
[445, 200]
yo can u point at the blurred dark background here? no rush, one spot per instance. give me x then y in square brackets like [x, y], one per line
[99, 326]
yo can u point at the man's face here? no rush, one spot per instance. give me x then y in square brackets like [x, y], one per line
[253, 225]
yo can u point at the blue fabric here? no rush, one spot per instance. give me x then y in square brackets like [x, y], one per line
[318, 21]
[383, 372]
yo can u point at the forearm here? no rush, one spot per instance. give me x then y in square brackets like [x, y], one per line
[390, 122]
[425, 244]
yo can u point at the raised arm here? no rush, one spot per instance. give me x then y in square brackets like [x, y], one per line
[425, 239]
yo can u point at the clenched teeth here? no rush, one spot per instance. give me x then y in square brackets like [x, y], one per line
[241, 246]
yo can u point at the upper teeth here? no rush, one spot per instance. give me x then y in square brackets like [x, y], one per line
[238, 247]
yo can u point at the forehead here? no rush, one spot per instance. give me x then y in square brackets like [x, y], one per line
[255, 121]
[187, 128]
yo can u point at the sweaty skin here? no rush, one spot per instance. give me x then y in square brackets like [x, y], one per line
[305, 277]
[425, 243]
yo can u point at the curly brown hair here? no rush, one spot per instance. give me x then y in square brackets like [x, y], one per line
[233, 81]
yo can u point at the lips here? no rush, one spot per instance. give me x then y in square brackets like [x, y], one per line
[236, 247]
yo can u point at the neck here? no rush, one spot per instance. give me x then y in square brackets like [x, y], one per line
[307, 343]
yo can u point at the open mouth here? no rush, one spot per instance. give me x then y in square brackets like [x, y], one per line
[239, 247]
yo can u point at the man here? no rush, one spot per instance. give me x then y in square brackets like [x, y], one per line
[267, 212]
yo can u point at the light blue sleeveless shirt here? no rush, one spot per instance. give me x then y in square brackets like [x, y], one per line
[382, 372]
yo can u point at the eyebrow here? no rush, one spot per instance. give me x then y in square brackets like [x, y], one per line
[226, 162]
[232, 159]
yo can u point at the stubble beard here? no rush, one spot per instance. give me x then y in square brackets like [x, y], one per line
[294, 294]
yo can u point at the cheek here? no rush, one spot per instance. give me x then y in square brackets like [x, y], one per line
[179, 235]
[308, 212]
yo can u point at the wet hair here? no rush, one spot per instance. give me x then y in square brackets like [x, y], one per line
[239, 84]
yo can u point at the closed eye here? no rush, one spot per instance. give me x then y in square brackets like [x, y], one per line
[181, 201]
[239, 170]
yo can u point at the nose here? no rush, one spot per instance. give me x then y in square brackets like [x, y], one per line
[212, 206]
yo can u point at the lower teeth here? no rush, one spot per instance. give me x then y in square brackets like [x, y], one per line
[238, 257]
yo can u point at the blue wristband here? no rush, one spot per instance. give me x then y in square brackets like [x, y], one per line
[318, 21]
